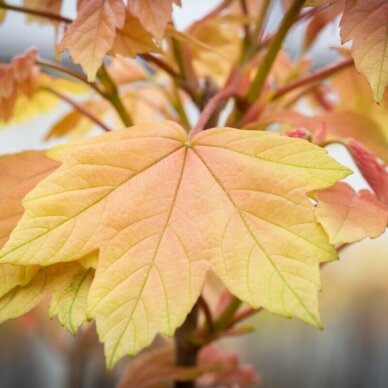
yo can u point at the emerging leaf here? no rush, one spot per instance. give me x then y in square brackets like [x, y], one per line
[92, 34]
[348, 216]
[164, 209]
[365, 22]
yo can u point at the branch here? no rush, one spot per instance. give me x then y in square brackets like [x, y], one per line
[160, 64]
[78, 107]
[273, 49]
[112, 95]
[312, 78]
[212, 105]
[186, 352]
[36, 12]
[63, 69]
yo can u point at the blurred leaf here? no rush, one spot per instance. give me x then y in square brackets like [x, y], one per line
[153, 14]
[338, 126]
[132, 38]
[372, 169]
[155, 368]
[365, 23]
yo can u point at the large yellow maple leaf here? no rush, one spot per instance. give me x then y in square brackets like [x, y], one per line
[163, 209]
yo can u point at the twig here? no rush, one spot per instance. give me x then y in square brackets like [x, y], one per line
[63, 69]
[273, 49]
[78, 107]
[212, 105]
[315, 77]
[112, 95]
[202, 303]
[36, 12]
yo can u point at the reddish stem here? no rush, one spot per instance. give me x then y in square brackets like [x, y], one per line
[203, 305]
[36, 12]
[315, 77]
[78, 107]
[211, 107]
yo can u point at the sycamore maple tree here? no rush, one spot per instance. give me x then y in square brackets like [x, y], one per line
[129, 227]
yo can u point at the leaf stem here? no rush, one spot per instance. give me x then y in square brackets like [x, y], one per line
[273, 49]
[78, 107]
[112, 95]
[223, 321]
[210, 108]
[202, 303]
[36, 12]
[64, 69]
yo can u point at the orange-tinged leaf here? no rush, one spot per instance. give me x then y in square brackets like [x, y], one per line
[163, 209]
[19, 77]
[365, 22]
[153, 15]
[19, 174]
[68, 284]
[132, 38]
[92, 34]
[348, 216]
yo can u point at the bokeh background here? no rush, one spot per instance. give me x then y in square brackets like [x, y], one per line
[352, 351]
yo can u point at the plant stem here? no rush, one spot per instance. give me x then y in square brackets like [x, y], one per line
[227, 315]
[78, 107]
[207, 313]
[212, 105]
[63, 69]
[273, 49]
[160, 64]
[312, 78]
[112, 95]
[186, 352]
[252, 47]
[36, 12]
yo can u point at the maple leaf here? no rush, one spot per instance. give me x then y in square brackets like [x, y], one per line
[153, 14]
[348, 216]
[68, 285]
[132, 38]
[91, 35]
[163, 209]
[365, 22]
[19, 174]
